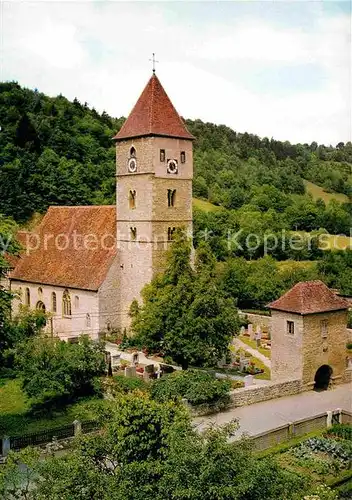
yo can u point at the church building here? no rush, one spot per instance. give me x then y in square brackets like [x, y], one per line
[85, 265]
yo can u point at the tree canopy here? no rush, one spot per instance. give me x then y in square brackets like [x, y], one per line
[185, 314]
[149, 450]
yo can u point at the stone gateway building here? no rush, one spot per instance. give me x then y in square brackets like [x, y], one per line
[85, 265]
[309, 335]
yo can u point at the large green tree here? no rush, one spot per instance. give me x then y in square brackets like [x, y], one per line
[54, 372]
[185, 314]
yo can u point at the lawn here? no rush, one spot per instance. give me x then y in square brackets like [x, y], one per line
[205, 206]
[266, 375]
[253, 345]
[319, 192]
[15, 418]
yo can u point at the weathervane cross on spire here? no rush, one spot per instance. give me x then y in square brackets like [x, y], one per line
[154, 61]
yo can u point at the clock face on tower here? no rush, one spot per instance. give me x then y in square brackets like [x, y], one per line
[172, 167]
[132, 165]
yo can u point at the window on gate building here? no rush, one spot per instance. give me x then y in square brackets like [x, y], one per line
[290, 327]
[324, 328]
[66, 304]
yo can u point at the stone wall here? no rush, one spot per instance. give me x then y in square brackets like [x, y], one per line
[109, 298]
[347, 376]
[255, 394]
[258, 319]
[349, 334]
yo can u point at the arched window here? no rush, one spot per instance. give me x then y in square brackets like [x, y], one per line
[40, 292]
[171, 197]
[88, 321]
[53, 302]
[66, 304]
[170, 233]
[28, 297]
[19, 294]
[76, 302]
[40, 306]
[133, 232]
[132, 198]
[132, 152]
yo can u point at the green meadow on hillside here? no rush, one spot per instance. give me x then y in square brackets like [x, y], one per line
[205, 206]
[318, 192]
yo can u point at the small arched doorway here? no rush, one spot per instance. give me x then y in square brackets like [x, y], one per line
[322, 378]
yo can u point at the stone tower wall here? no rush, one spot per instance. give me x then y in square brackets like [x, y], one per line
[140, 260]
[318, 351]
[286, 350]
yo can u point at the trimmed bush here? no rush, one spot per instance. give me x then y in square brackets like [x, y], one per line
[200, 388]
[343, 431]
[125, 384]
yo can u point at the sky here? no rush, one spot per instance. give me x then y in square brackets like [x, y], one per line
[276, 69]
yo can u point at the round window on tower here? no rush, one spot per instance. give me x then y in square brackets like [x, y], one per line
[132, 165]
[172, 167]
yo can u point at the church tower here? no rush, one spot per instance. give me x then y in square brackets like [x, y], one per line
[154, 162]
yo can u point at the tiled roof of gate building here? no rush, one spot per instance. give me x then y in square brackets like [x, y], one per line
[309, 297]
[72, 247]
[154, 114]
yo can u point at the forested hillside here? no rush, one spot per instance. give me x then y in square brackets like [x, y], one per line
[53, 151]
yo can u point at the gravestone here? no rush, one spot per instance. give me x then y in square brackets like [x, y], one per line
[130, 371]
[115, 360]
[77, 427]
[244, 362]
[242, 330]
[250, 331]
[248, 380]
[6, 446]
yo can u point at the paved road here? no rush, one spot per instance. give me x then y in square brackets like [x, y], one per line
[238, 343]
[261, 417]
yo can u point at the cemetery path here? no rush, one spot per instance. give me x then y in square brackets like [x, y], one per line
[261, 417]
[266, 361]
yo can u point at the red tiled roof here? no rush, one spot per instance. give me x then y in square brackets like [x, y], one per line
[75, 248]
[154, 114]
[309, 297]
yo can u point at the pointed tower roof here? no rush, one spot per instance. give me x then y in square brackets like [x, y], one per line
[309, 297]
[154, 114]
